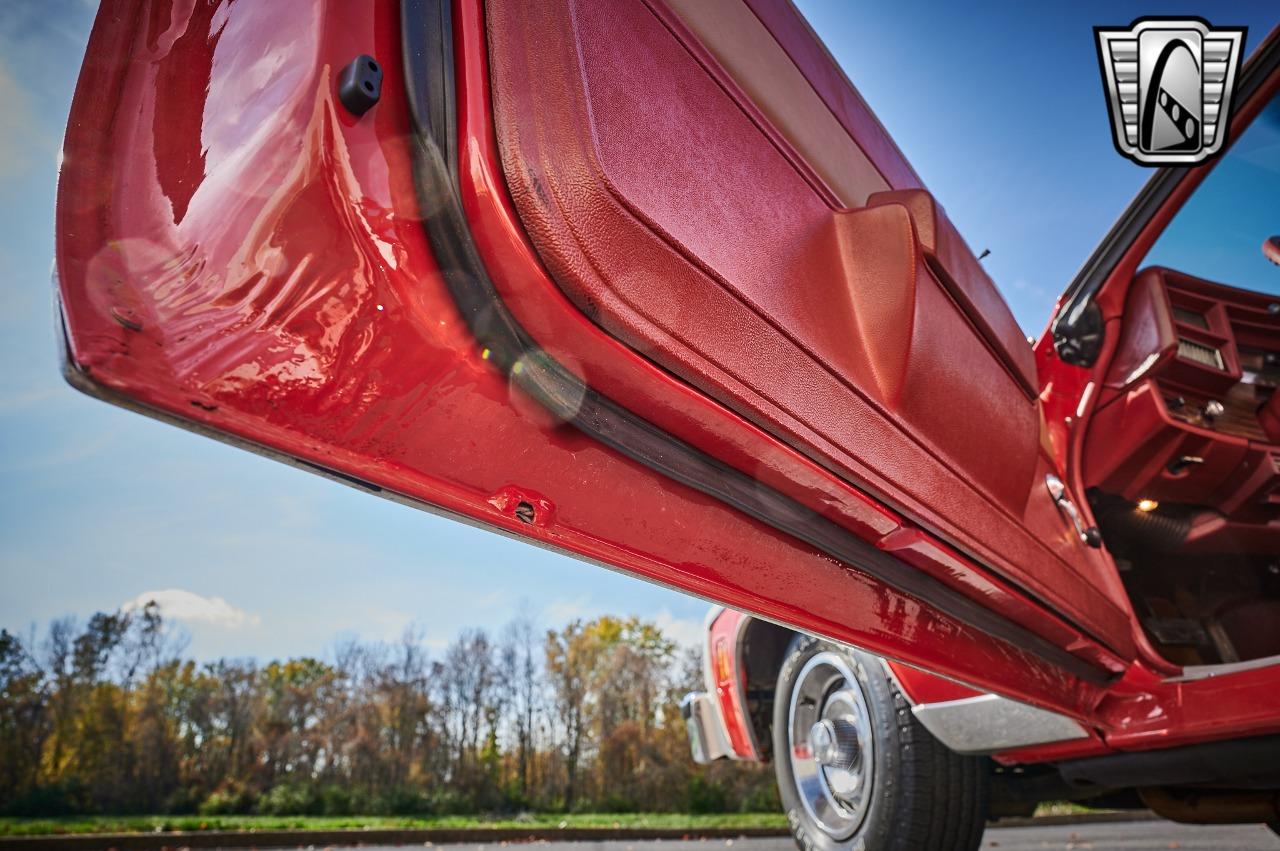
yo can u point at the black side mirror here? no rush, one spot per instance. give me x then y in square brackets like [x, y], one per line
[1077, 333]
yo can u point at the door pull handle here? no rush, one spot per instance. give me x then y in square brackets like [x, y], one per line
[1089, 535]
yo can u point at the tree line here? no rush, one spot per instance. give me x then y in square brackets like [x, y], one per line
[110, 716]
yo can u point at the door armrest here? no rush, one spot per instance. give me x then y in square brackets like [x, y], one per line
[967, 282]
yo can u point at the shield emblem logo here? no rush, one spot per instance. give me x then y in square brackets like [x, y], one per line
[1169, 85]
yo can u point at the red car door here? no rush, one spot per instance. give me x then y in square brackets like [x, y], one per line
[701, 181]
[643, 282]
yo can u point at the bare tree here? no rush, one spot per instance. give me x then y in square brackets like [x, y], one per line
[520, 672]
[110, 717]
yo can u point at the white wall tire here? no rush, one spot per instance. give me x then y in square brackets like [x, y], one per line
[856, 771]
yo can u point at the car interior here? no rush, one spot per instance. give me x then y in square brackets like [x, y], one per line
[1182, 452]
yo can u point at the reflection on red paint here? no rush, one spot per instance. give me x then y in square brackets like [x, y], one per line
[924, 687]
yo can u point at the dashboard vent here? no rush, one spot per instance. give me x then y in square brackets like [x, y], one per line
[1190, 317]
[1200, 353]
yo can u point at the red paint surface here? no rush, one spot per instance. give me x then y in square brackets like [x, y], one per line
[924, 687]
[725, 652]
[235, 250]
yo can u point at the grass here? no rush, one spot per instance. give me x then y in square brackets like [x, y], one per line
[169, 824]
[166, 824]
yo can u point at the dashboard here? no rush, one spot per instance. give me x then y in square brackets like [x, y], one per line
[1189, 413]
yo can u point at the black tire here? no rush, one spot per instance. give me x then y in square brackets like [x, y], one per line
[923, 796]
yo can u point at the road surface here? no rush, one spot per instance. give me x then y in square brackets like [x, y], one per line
[1123, 836]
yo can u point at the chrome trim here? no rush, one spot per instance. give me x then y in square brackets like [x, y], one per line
[1058, 492]
[707, 740]
[713, 719]
[893, 678]
[990, 723]
[1190, 673]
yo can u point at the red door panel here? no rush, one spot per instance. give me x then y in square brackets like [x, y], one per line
[675, 213]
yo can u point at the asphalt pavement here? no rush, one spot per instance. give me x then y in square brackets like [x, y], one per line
[1123, 836]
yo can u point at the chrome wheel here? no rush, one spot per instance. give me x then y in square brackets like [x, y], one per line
[832, 750]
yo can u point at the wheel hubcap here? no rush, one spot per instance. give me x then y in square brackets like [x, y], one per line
[831, 745]
[834, 742]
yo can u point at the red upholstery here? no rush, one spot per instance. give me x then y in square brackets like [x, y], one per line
[1147, 336]
[967, 282]
[826, 76]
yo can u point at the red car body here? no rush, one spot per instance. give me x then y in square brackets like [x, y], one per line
[531, 290]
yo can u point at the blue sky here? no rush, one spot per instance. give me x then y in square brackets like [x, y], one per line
[1000, 110]
[1219, 232]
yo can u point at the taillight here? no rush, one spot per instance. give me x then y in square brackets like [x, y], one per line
[730, 681]
[724, 668]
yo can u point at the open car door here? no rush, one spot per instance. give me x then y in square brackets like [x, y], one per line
[642, 282]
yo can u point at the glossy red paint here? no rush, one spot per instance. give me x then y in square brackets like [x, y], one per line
[267, 255]
[724, 649]
[236, 252]
[1172, 712]
[933, 556]
[1091, 745]
[923, 687]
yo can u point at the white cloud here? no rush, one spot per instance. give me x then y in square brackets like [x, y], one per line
[687, 632]
[557, 613]
[21, 131]
[188, 606]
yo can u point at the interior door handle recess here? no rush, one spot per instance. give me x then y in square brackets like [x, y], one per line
[1089, 535]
